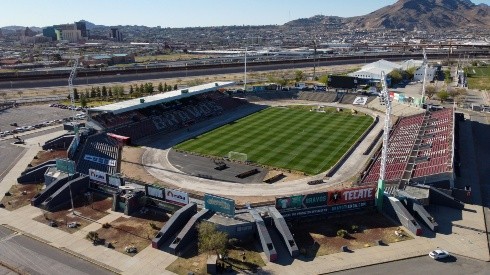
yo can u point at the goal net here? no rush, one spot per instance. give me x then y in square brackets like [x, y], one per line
[237, 156]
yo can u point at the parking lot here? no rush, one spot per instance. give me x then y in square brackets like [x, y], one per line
[32, 117]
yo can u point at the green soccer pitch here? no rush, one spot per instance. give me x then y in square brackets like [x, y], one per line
[291, 138]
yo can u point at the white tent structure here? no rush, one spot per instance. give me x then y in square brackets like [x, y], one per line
[373, 70]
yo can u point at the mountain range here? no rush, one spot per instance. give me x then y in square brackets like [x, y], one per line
[411, 14]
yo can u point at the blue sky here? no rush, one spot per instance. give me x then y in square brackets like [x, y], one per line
[183, 13]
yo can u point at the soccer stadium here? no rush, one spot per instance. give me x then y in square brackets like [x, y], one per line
[280, 155]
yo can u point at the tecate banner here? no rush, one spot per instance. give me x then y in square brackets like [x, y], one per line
[176, 196]
[358, 194]
[97, 175]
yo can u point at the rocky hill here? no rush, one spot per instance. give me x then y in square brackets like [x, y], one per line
[410, 14]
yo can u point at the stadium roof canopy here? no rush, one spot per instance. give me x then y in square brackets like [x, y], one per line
[147, 101]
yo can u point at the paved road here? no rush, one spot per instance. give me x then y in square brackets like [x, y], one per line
[33, 257]
[424, 265]
[10, 153]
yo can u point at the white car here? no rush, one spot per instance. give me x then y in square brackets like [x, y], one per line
[73, 225]
[439, 254]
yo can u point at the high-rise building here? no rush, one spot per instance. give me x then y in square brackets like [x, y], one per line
[82, 27]
[50, 32]
[116, 35]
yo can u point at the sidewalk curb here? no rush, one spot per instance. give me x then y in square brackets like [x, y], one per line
[66, 250]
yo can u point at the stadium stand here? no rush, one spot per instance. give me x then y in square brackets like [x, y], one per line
[419, 146]
[168, 116]
[99, 152]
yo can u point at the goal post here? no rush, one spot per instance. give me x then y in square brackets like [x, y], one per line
[237, 156]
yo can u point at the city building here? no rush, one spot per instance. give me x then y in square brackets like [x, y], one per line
[116, 35]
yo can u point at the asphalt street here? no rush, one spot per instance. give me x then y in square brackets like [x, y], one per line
[33, 257]
[456, 265]
[10, 153]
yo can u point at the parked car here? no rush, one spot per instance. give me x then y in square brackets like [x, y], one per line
[73, 225]
[439, 254]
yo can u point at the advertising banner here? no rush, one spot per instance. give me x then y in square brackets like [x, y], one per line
[97, 175]
[219, 204]
[176, 196]
[351, 195]
[350, 206]
[110, 162]
[289, 202]
[156, 192]
[314, 200]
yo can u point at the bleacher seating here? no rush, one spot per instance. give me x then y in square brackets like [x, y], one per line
[437, 147]
[401, 143]
[428, 135]
[169, 116]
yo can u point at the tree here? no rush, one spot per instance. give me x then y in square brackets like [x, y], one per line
[149, 89]
[410, 72]
[298, 75]
[142, 88]
[396, 76]
[447, 76]
[165, 87]
[160, 87]
[430, 91]
[131, 90]
[324, 79]
[83, 100]
[104, 92]
[87, 93]
[211, 240]
[443, 95]
[99, 93]
[93, 93]
[76, 96]
[110, 92]
[175, 87]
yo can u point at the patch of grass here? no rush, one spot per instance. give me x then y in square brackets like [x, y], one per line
[479, 78]
[288, 138]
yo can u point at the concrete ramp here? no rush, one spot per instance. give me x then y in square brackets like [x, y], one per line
[265, 238]
[61, 196]
[61, 142]
[174, 224]
[284, 231]
[36, 174]
[396, 210]
[439, 197]
[49, 162]
[187, 234]
[51, 189]
[425, 216]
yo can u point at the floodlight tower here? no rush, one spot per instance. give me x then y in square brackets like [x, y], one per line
[73, 74]
[385, 97]
[425, 64]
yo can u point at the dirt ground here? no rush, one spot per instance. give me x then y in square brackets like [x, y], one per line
[94, 211]
[136, 231]
[131, 165]
[320, 238]
[44, 156]
[191, 262]
[20, 195]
